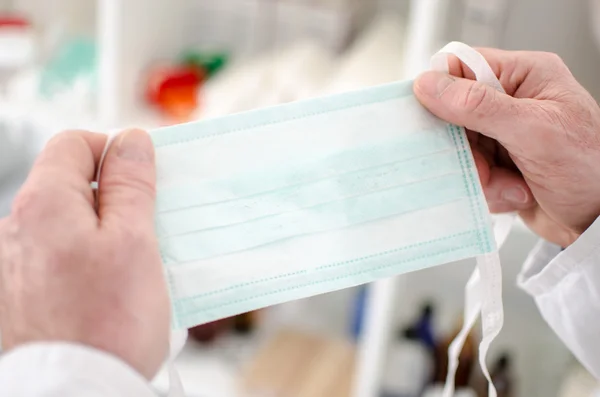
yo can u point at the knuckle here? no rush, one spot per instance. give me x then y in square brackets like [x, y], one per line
[27, 201]
[552, 58]
[477, 99]
[64, 135]
[554, 62]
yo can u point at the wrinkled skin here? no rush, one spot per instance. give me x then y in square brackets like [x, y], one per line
[69, 273]
[537, 148]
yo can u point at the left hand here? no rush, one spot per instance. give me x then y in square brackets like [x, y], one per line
[71, 274]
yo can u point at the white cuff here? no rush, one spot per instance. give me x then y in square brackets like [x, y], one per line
[535, 276]
[547, 266]
[68, 370]
[566, 292]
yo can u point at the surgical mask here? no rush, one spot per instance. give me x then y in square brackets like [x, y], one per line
[283, 203]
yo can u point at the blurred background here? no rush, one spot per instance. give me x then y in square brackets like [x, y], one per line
[110, 64]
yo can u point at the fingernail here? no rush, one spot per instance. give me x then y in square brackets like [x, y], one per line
[516, 195]
[434, 83]
[135, 145]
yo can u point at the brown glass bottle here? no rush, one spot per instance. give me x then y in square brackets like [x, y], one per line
[467, 359]
[207, 333]
[245, 323]
[502, 376]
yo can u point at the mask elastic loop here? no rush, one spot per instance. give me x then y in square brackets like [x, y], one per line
[96, 184]
[109, 141]
[483, 292]
[471, 58]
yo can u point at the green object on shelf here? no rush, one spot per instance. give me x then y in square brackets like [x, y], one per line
[212, 63]
[76, 59]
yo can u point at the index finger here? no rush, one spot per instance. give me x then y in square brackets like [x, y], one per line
[511, 67]
[65, 169]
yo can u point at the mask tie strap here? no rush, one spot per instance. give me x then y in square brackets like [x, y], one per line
[483, 292]
[492, 312]
[96, 184]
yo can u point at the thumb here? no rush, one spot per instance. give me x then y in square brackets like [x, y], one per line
[472, 104]
[127, 187]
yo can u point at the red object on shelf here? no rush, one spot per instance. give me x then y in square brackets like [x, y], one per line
[174, 90]
[13, 21]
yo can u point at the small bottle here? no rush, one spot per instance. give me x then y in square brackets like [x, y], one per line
[208, 333]
[467, 359]
[245, 323]
[502, 376]
[424, 327]
[358, 313]
[409, 366]
[478, 382]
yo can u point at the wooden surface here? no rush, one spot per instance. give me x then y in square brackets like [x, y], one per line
[294, 364]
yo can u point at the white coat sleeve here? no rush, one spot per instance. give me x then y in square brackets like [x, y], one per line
[566, 287]
[66, 370]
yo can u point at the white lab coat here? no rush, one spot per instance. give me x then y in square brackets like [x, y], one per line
[565, 286]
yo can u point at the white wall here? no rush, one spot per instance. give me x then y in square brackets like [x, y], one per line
[561, 26]
[77, 16]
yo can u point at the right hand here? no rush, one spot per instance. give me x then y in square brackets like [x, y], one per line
[537, 148]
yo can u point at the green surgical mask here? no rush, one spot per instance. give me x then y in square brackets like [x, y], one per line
[269, 206]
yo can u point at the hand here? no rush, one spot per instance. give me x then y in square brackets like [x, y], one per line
[537, 149]
[71, 274]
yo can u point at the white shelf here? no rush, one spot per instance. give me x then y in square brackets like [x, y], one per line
[133, 34]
